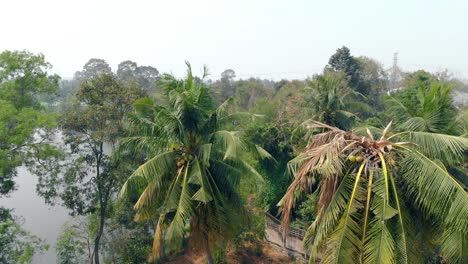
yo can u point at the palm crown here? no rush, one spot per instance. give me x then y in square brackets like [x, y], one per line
[431, 110]
[192, 164]
[363, 186]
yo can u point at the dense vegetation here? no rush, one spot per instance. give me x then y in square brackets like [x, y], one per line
[372, 165]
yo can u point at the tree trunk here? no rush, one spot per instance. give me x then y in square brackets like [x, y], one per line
[99, 234]
[102, 208]
[206, 248]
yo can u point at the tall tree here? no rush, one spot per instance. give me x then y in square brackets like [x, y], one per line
[145, 76]
[343, 61]
[192, 165]
[226, 85]
[365, 185]
[91, 126]
[23, 78]
[328, 94]
[373, 76]
[429, 108]
[94, 67]
[247, 92]
[126, 70]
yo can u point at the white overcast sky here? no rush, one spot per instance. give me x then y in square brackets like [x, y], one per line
[268, 39]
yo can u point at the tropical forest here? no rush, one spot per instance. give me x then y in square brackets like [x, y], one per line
[124, 163]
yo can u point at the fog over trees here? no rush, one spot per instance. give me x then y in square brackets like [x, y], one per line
[369, 163]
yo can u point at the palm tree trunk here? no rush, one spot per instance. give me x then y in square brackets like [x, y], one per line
[206, 248]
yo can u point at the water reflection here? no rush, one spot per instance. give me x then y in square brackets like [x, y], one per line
[42, 220]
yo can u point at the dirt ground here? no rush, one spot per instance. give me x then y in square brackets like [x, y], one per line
[269, 256]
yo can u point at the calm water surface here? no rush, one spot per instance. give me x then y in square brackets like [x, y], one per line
[40, 219]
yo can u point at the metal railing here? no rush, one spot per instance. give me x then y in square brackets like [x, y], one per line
[275, 224]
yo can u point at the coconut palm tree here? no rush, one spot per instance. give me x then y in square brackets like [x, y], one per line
[429, 109]
[329, 95]
[192, 168]
[366, 186]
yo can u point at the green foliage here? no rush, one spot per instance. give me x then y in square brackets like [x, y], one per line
[17, 245]
[144, 76]
[343, 61]
[306, 211]
[91, 125]
[374, 77]
[275, 141]
[247, 92]
[419, 78]
[374, 122]
[125, 240]
[23, 77]
[427, 108]
[93, 68]
[193, 165]
[366, 196]
[71, 246]
[360, 210]
[328, 94]
[224, 88]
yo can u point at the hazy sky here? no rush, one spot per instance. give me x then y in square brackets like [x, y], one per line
[270, 38]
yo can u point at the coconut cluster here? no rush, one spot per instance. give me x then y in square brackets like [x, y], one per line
[183, 159]
[357, 158]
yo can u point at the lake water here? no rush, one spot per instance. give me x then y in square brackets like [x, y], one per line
[40, 219]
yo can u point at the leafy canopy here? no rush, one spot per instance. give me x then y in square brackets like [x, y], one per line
[193, 164]
[23, 77]
[365, 185]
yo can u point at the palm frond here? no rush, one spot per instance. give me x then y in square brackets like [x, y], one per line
[157, 249]
[379, 246]
[448, 149]
[344, 245]
[148, 145]
[183, 212]
[435, 190]
[204, 153]
[156, 168]
[148, 196]
[262, 153]
[321, 157]
[143, 105]
[204, 193]
[417, 123]
[367, 208]
[454, 245]
[327, 220]
[230, 141]
[401, 239]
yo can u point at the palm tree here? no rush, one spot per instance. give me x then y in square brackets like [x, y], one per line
[328, 94]
[366, 186]
[192, 168]
[429, 109]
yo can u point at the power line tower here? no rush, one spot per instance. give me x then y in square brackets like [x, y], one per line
[395, 73]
